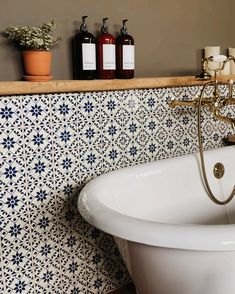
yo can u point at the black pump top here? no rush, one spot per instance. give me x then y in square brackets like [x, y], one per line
[83, 27]
[124, 28]
[104, 28]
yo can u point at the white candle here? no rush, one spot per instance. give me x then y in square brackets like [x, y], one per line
[211, 51]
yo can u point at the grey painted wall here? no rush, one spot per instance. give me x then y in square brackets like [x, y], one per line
[168, 34]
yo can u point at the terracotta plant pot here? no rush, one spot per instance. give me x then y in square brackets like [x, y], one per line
[37, 63]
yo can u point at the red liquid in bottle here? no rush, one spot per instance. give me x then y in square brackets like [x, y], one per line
[106, 54]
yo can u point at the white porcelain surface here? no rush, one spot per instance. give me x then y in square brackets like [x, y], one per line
[178, 240]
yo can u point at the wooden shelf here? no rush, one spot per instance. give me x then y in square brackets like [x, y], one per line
[66, 86]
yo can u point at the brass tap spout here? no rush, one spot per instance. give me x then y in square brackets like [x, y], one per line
[207, 102]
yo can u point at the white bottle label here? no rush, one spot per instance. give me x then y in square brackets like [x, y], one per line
[128, 56]
[109, 56]
[88, 56]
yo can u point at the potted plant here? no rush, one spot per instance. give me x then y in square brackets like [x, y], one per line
[36, 44]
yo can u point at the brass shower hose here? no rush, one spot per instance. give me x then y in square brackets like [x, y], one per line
[207, 186]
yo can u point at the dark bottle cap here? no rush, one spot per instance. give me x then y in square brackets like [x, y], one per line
[83, 27]
[124, 28]
[104, 28]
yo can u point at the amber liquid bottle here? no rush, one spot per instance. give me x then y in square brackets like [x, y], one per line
[84, 53]
[106, 55]
[125, 54]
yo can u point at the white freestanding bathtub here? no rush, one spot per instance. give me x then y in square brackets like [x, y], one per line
[172, 237]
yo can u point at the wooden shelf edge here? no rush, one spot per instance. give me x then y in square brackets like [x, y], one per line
[67, 86]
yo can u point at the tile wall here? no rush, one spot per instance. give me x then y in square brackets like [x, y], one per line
[51, 145]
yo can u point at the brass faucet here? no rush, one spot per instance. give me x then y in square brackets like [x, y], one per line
[217, 102]
[214, 104]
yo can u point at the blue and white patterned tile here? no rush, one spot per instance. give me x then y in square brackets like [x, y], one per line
[150, 125]
[12, 142]
[18, 262]
[38, 139]
[48, 279]
[19, 282]
[36, 109]
[71, 243]
[121, 118]
[123, 140]
[73, 267]
[89, 133]
[64, 108]
[223, 128]
[165, 95]
[178, 132]
[67, 213]
[44, 223]
[131, 102]
[132, 153]
[45, 249]
[177, 91]
[89, 106]
[150, 100]
[46, 261]
[40, 168]
[42, 288]
[10, 112]
[15, 236]
[133, 127]
[13, 172]
[142, 138]
[65, 137]
[141, 94]
[91, 158]
[65, 163]
[13, 201]
[111, 129]
[75, 287]
[65, 187]
[111, 102]
[161, 112]
[113, 157]
[40, 194]
[150, 150]
[161, 135]
[82, 136]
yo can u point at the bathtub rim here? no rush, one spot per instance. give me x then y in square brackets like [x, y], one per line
[180, 236]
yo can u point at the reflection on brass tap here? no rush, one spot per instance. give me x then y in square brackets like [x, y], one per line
[225, 119]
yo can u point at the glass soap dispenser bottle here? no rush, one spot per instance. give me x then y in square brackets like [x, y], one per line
[106, 55]
[84, 49]
[125, 54]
